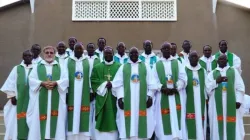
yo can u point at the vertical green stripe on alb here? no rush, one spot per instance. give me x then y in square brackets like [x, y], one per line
[190, 105]
[43, 99]
[164, 98]
[22, 101]
[230, 108]
[142, 124]
[85, 102]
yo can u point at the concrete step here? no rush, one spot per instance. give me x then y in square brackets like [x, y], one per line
[247, 128]
[247, 137]
[246, 119]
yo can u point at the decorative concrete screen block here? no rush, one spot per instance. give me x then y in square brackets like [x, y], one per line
[90, 9]
[158, 10]
[124, 10]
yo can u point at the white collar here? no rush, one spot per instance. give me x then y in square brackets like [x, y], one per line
[119, 56]
[76, 59]
[196, 68]
[108, 63]
[49, 64]
[203, 58]
[223, 69]
[69, 50]
[38, 58]
[92, 57]
[169, 59]
[176, 56]
[223, 53]
[24, 65]
[184, 53]
[150, 55]
[131, 62]
[98, 51]
[61, 56]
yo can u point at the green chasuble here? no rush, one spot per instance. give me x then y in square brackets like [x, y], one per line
[105, 106]
[142, 121]
[22, 102]
[43, 99]
[190, 105]
[229, 57]
[164, 98]
[85, 101]
[228, 87]
[204, 64]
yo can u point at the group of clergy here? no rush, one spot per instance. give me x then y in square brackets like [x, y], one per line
[73, 95]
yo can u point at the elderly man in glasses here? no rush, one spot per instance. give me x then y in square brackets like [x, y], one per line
[47, 107]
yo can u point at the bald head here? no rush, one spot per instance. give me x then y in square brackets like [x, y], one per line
[134, 54]
[121, 48]
[222, 61]
[78, 50]
[27, 57]
[165, 49]
[207, 51]
[193, 58]
[61, 48]
[108, 53]
[147, 46]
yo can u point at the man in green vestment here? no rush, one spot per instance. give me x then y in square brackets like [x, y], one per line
[105, 106]
[226, 90]
[196, 112]
[46, 114]
[135, 86]
[17, 89]
[233, 59]
[79, 118]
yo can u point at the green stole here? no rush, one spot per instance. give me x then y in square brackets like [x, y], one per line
[85, 103]
[229, 57]
[96, 61]
[98, 55]
[204, 64]
[231, 100]
[165, 111]
[43, 100]
[142, 129]
[22, 102]
[190, 105]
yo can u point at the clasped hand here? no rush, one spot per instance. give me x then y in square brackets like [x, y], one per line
[49, 84]
[149, 102]
[168, 91]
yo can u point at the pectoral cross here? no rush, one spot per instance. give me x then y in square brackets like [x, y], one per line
[108, 75]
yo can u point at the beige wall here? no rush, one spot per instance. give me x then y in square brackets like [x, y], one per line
[52, 23]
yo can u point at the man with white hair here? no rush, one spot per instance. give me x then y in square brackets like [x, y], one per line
[46, 115]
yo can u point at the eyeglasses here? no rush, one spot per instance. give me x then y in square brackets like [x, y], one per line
[49, 52]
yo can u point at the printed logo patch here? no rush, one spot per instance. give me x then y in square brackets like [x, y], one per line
[49, 77]
[195, 82]
[224, 86]
[78, 75]
[135, 78]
